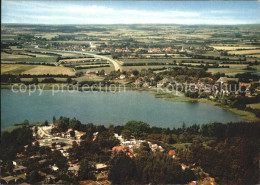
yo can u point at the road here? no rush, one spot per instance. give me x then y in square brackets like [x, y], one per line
[114, 62]
[43, 132]
[117, 66]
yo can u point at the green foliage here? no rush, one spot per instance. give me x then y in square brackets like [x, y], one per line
[122, 169]
[14, 142]
[86, 170]
[192, 94]
[106, 139]
[34, 177]
[58, 159]
[137, 128]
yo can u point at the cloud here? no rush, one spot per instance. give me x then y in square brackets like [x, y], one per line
[59, 12]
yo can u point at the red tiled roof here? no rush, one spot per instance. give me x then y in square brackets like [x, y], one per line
[118, 148]
[172, 152]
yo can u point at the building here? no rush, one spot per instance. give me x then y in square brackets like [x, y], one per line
[126, 150]
[101, 167]
[74, 168]
[19, 169]
[50, 179]
[10, 180]
[122, 77]
[172, 153]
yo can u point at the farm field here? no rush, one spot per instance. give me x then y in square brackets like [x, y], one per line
[146, 67]
[245, 52]
[77, 60]
[232, 70]
[257, 55]
[89, 78]
[129, 46]
[12, 56]
[15, 68]
[35, 69]
[231, 48]
[52, 70]
[126, 61]
[31, 60]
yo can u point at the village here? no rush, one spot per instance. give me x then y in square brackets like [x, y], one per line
[62, 142]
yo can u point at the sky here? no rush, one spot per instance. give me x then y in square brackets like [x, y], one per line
[131, 12]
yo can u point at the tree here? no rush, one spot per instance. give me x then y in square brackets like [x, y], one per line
[58, 159]
[102, 72]
[137, 128]
[135, 72]
[72, 133]
[160, 168]
[35, 81]
[126, 134]
[33, 177]
[106, 139]
[122, 169]
[46, 123]
[86, 170]
[54, 119]
[69, 80]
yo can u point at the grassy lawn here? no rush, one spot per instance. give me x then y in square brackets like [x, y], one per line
[86, 78]
[34, 59]
[181, 146]
[233, 69]
[254, 105]
[35, 69]
[15, 68]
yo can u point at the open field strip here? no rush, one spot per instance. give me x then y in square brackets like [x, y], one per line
[35, 69]
[76, 60]
[15, 68]
[229, 71]
[230, 48]
[32, 60]
[146, 60]
[245, 52]
[52, 70]
[257, 55]
[254, 105]
[12, 56]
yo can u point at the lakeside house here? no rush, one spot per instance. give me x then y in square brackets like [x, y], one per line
[126, 150]
[10, 180]
[19, 169]
[122, 77]
[172, 153]
[50, 179]
[74, 169]
[100, 167]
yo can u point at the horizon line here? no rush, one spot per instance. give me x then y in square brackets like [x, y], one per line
[61, 24]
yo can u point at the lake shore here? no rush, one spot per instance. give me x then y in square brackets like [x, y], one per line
[244, 115]
[169, 96]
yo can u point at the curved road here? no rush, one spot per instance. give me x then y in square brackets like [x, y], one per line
[117, 66]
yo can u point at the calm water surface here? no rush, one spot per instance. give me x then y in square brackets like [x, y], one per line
[106, 108]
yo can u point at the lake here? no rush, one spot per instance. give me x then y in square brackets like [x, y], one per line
[107, 108]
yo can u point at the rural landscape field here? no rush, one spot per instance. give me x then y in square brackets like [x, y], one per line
[157, 93]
